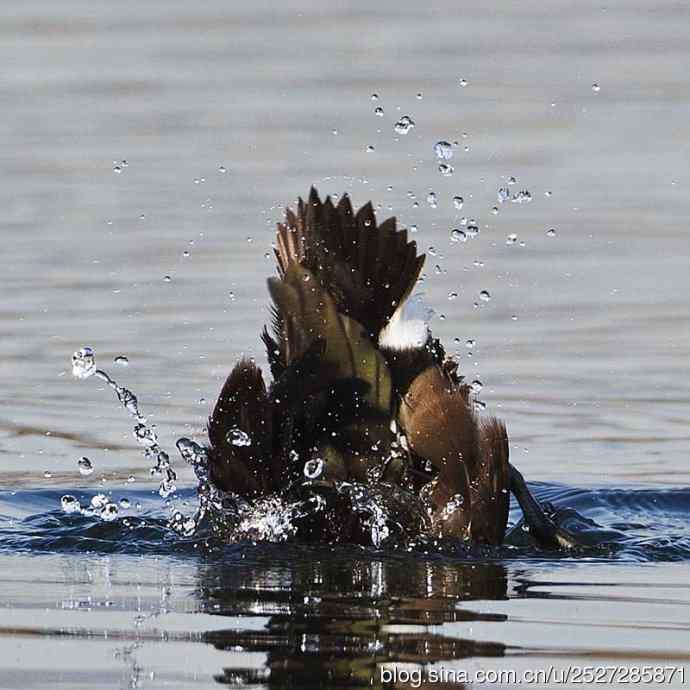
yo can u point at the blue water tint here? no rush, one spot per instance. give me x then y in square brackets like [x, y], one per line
[638, 525]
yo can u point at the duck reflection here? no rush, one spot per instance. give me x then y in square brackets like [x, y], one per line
[339, 620]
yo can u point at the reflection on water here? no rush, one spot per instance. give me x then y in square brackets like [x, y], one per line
[335, 620]
[293, 617]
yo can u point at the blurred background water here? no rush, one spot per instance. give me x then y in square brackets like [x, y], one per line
[224, 113]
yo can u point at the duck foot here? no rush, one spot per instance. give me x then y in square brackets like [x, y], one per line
[547, 533]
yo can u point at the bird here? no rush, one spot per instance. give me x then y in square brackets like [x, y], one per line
[364, 402]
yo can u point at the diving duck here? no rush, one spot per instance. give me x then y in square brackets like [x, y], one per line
[362, 394]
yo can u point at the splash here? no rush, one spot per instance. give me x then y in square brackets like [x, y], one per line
[84, 367]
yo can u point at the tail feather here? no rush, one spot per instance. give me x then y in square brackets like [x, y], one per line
[368, 269]
[308, 312]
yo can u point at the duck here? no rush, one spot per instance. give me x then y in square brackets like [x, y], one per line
[363, 401]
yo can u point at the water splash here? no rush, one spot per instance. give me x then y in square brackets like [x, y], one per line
[84, 367]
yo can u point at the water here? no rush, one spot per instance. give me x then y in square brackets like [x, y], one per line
[133, 134]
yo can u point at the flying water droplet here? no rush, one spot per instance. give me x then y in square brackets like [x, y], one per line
[85, 466]
[237, 437]
[476, 386]
[70, 504]
[457, 235]
[443, 150]
[503, 195]
[511, 239]
[121, 361]
[484, 296]
[313, 468]
[84, 363]
[403, 125]
[145, 435]
[596, 88]
[458, 202]
[522, 197]
[378, 111]
[446, 170]
[109, 512]
[551, 232]
[432, 200]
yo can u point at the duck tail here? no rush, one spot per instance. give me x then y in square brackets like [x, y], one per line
[369, 269]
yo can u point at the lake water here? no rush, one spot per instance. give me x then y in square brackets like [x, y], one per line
[583, 347]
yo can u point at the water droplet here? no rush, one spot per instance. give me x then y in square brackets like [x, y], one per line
[70, 504]
[84, 363]
[432, 200]
[167, 279]
[512, 180]
[443, 150]
[551, 232]
[463, 82]
[222, 169]
[476, 386]
[511, 239]
[121, 361]
[472, 228]
[458, 202]
[237, 437]
[503, 195]
[125, 503]
[99, 501]
[370, 149]
[446, 170]
[378, 111]
[457, 235]
[596, 88]
[47, 474]
[452, 296]
[469, 344]
[374, 97]
[85, 466]
[313, 468]
[109, 512]
[484, 296]
[522, 197]
[403, 125]
[131, 479]
[145, 435]
[185, 253]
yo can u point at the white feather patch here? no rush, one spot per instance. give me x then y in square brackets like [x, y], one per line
[409, 325]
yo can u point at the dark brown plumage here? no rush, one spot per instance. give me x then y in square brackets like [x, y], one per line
[395, 418]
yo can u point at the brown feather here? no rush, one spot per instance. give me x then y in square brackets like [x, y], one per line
[471, 457]
[368, 270]
[243, 406]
